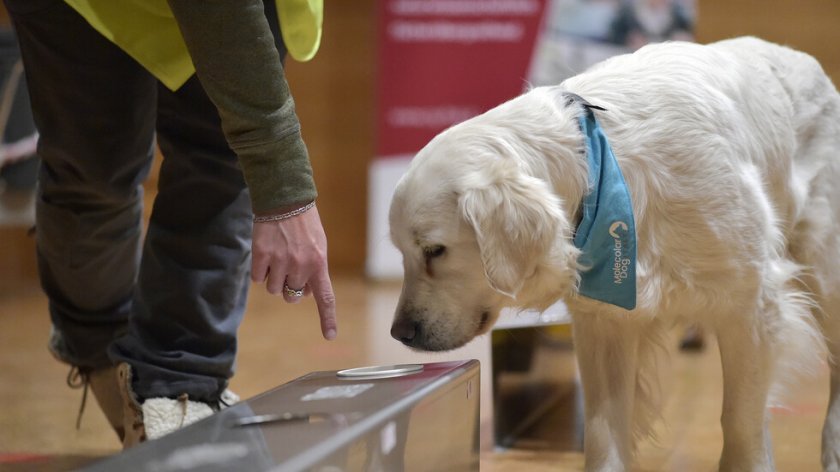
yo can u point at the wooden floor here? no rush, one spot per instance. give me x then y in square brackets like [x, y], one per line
[280, 342]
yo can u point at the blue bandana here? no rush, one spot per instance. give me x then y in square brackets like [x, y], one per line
[606, 235]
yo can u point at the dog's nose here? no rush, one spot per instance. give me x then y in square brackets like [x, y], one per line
[405, 331]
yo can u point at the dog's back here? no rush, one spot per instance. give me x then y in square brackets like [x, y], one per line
[815, 120]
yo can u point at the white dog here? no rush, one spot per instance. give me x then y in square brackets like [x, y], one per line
[730, 153]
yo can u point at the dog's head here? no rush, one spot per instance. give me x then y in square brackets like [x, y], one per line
[482, 221]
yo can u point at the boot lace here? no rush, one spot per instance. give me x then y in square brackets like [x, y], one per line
[79, 378]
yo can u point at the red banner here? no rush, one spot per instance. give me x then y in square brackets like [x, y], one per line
[443, 61]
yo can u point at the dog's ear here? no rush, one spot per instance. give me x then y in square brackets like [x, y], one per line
[515, 219]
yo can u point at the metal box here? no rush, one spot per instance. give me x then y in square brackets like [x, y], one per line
[422, 421]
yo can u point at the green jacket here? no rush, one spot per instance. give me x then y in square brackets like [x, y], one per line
[229, 45]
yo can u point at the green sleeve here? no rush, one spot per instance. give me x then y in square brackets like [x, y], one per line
[238, 65]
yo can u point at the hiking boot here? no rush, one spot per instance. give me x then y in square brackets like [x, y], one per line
[103, 383]
[157, 417]
[132, 412]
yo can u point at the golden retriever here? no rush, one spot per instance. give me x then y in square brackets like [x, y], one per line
[730, 155]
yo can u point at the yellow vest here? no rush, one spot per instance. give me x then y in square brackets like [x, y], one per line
[147, 31]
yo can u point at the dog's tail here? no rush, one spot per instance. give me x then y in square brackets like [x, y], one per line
[799, 346]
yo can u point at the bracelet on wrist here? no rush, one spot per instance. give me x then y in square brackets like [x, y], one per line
[284, 216]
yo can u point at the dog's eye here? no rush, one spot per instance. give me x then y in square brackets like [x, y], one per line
[434, 251]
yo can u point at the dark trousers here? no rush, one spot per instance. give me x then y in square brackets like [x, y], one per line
[169, 305]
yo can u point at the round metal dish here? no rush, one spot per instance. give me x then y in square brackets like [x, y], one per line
[380, 372]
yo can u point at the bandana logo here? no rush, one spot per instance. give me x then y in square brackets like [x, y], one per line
[620, 263]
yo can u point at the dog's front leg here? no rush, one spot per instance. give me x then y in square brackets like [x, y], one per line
[607, 355]
[747, 363]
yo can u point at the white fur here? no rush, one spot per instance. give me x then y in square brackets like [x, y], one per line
[731, 154]
[162, 416]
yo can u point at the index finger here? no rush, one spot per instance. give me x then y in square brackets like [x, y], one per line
[322, 291]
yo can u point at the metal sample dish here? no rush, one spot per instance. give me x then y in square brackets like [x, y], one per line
[380, 372]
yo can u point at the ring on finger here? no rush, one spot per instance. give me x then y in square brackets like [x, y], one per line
[292, 292]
